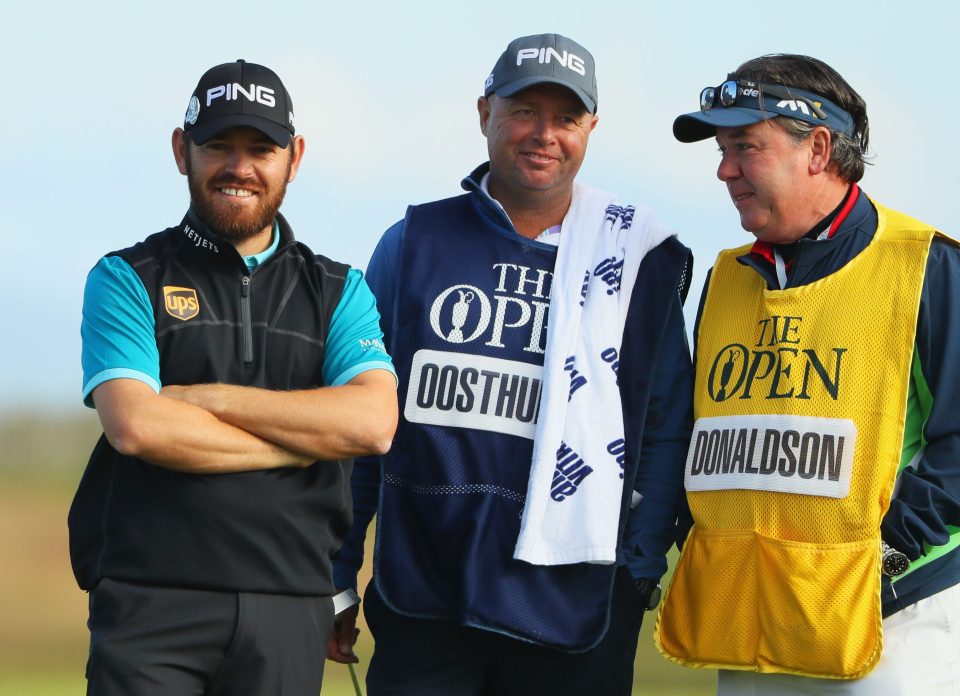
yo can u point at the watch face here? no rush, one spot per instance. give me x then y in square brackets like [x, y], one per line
[895, 563]
[654, 598]
[649, 589]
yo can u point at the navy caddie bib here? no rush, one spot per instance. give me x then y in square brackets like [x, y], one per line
[469, 334]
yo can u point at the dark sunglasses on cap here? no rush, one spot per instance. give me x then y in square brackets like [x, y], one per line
[739, 103]
[726, 94]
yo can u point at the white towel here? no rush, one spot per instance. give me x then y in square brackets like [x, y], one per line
[572, 508]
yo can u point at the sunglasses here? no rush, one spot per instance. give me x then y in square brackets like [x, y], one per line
[726, 95]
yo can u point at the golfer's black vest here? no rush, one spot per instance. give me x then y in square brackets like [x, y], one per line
[262, 531]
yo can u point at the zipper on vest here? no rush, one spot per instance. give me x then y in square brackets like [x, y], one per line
[245, 318]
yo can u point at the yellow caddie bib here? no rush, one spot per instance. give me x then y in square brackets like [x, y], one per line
[800, 402]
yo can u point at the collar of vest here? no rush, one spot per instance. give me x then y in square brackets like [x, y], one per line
[485, 204]
[199, 237]
[471, 182]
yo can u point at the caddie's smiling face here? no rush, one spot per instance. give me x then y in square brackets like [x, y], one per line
[237, 180]
[536, 140]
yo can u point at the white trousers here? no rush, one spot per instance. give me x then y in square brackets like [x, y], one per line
[921, 657]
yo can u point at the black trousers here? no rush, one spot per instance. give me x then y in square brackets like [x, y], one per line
[426, 657]
[161, 641]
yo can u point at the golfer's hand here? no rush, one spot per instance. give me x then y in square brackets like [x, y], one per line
[344, 636]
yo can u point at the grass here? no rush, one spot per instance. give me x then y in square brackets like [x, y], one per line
[43, 634]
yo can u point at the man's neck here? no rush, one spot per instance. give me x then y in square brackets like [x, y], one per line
[819, 203]
[532, 214]
[259, 242]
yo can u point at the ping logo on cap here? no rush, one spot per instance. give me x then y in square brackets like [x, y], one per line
[233, 90]
[547, 54]
[180, 303]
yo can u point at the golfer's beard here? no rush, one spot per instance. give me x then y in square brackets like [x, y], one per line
[233, 222]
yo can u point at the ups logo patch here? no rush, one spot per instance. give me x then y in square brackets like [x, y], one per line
[181, 303]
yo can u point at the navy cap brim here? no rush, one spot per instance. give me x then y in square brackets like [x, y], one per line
[203, 132]
[700, 125]
[511, 88]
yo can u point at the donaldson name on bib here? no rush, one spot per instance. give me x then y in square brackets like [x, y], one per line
[784, 453]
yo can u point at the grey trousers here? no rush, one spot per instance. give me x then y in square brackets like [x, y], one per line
[158, 641]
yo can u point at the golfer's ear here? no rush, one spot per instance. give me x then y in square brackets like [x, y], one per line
[179, 143]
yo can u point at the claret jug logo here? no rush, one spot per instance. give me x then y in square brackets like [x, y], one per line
[775, 366]
[181, 303]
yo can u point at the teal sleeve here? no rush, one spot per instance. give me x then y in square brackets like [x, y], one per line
[355, 341]
[117, 330]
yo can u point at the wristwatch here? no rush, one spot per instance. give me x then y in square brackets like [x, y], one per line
[893, 562]
[649, 590]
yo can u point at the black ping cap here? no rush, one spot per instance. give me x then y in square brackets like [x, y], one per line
[239, 94]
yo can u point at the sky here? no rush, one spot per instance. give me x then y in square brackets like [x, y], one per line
[385, 95]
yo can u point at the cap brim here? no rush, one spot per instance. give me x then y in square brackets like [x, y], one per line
[511, 88]
[700, 125]
[203, 132]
